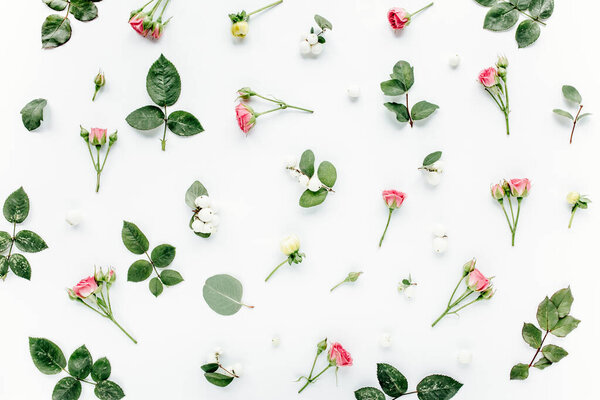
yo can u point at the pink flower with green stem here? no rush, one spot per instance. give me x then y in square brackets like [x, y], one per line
[494, 81]
[337, 357]
[97, 138]
[518, 188]
[393, 199]
[144, 23]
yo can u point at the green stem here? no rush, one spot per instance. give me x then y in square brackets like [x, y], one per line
[506, 215]
[466, 294]
[572, 215]
[122, 330]
[529, 16]
[386, 226]
[410, 119]
[281, 107]
[163, 10]
[466, 305]
[80, 380]
[145, 5]
[455, 289]
[313, 366]
[276, 268]
[299, 108]
[507, 108]
[153, 10]
[265, 7]
[575, 123]
[163, 142]
[95, 92]
[493, 97]
[338, 285]
[517, 220]
[424, 8]
[309, 381]
[512, 214]
[91, 308]
[539, 349]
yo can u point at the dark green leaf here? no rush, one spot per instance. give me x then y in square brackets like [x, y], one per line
[183, 123]
[432, 158]
[5, 241]
[156, 286]
[139, 271]
[171, 277]
[56, 5]
[46, 356]
[20, 266]
[327, 174]
[307, 163]
[211, 367]
[29, 242]
[163, 255]
[501, 17]
[16, 206]
[393, 87]
[369, 393]
[519, 372]
[195, 190]
[218, 379]
[323, 23]
[101, 370]
[563, 113]
[486, 3]
[146, 118]
[3, 266]
[67, 389]
[532, 335]
[404, 73]
[571, 94]
[108, 390]
[422, 110]
[84, 10]
[547, 315]
[521, 4]
[393, 383]
[133, 238]
[542, 363]
[321, 39]
[223, 294]
[80, 363]
[554, 353]
[311, 199]
[563, 299]
[56, 31]
[527, 33]
[436, 387]
[541, 9]
[399, 109]
[163, 82]
[32, 114]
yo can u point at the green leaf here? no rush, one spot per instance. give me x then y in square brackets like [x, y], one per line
[486, 3]
[3, 266]
[393, 87]
[163, 255]
[84, 10]
[183, 123]
[139, 271]
[393, 383]
[542, 363]
[218, 379]
[211, 367]
[67, 389]
[29, 242]
[432, 158]
[32, 114]
[422, 110]
[5, 241]
[16, 206]
[46, 356]
[163, 82]
[156, 286]
[323, 22]
[532, 335]
[307, 163]
[583, 115]
[312, 199]
[108, 390]
[501, 17]
[554, 353]
[541, 9]
[20, 266]
[404, 73]
[223, 294]
[571, 94]
[56, 31]
[101, 370]
[547, 315]
[195, 190]
[369, 393]
[80, 363]
[527, 33]
[327, 174]
[519, 372]
[321, 39]
[399, 109]
[563, 299]
[171, 277]
[146, 118]
[203, 235]
[56, 5]
[521, 4]
[436, 387]
[133, 238]
[563, 113]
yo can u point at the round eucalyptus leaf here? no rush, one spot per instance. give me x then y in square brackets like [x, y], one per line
[312, 199]
[196, 190]
[223, 294]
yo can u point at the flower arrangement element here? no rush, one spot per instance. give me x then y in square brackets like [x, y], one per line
[352, 277]
[393, 199]
[50, 360]
[494, 82]
[164, 87]
[239, 21]
[97, 138]
[227, 374]
[99, 82]
[440, 240]
[402, 80]
[407, 286]
[518, 188]
[503, 15]
[32, 114]
[337, 357]
[144, 22]
[290, 246]
[394, 384]
[246, 116]
[476, 284]
[317, 186]
[313, 42]
[204, 220]
[572, 95]
[16, 210]
[433, 168]
[161, 257]
[56, 29]
[223, 294]
[576, 201]
[553, 317]
[94, 293]
[399, 18]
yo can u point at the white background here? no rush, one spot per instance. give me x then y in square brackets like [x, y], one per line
[258, 199]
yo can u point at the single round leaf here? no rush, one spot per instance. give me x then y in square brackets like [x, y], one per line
[432, 158]
[422, 110]
[5, 241]
[16, 206]
[565, 326]
[369, 393]
[486, 3]
[67, 389]
[146, 118]
[404, 73]
[3, 266]
[323, 22]
[211, 367]
[571, 94]
[393, 87]
[399, 109]
[183, 123]
[195, 190]
[56, 5]
[29, 242]
[46, 356]
[133, 238]
[170, 277]
[139, 271]
[163, 82]
[56, 31]
[218, 379]
[101, 370]
[541, 9]
[519, 372]
[32, 114]
[312, 199]
[436, 387]
[501, 17]
[307, 163]
[108, 390]
[80, 363]
[527, 33]
[163, 255]
[393, 383]
[554, 353]
[84, 10]
[563, 299]
[156, 286]
[327, 174]
[223, 294]
[563, 113]
[547, 315]
[532, 335]
[542, 363]
[20, 266]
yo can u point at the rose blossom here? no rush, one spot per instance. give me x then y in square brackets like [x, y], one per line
[245, 117]
[497, 191]
[137, 23]
[157, 31]
[487, 77]
[398, 18]
[97, 136]
[519, 187]
[477, 282]
[338, 356]
[85, 287]
[393, 198]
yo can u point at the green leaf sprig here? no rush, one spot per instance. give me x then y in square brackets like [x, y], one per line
[217, 374]
[98, 139]
[204, 220]
[573, 95]
[503, 15]
[403, 79]
[395, 385]
[16, 210]
[50, 360]
[223, 294]
[163, 84]
[352, 277]
[32, 114]
[317, 186]
[576, 201]
[553, 317]
[56, 29]
[161, 257]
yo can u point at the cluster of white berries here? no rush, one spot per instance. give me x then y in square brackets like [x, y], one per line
[313, 184]
[310, 45]
[433, 173]
[440, 242]
[205, 218]
[215, 357]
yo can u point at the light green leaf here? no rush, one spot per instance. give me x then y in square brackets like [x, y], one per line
[527, 33]
[139, 271]
[323, 22]
[432, 158]
[195, 190]
[554, 353]
[399, 109]
[583, 115]
[307, 163]
[133, 238]
[67, 389]
[56, 31]
[436, 387]
[571, 94]
[312, 199]
[404, 73]
[108, 390]
[565, 326]
[20, 266]
[532, 335]
[486, 3]
[547, 315]
[369, 393]
[56, 5]
[80, 363]
[327, 174]
[501, 17]
[16, 206]
[84, 10]
[393, 87]
[223, 294]
[5, 241]
[146, 118]
[519, 372]
[542, 363]
[541, 9]
[393, 383]
[46, 356]
[563, 113]
[183, 123]
[170, 277]
[218, 379]
[156, 286]
[101, 370]
[32, 114]
[563, 299]
[163, 82]
[163, 255]
[422, 110]
[29, 242]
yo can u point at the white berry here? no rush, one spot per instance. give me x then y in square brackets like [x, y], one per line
[439, 230]
[206, 214]
[74, 217]
[303, 179]
[440, 245]
[198, 226]
[215, 220]
[316, 49]
[275, 341]
[433, 178]
[353, 91]
[312, 39]
[209, 228]
[454, 60]
[291, 162]
[294, 173]
[385, 340]
[304, 47]
[314, 184]
[202, 201]
[464, 356]
[409, 292]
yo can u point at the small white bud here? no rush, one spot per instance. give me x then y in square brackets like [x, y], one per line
[440, 245]
[316, 49]
[385, 340]
[353, 91]
[206, 214]
[202, 201]
[304, 47]
[464, 356]
[314, 184]
[439, 230]
[433, 178]
[74, 217]
[303, 179]
[312, 38]
[454, 60]
[409, 292]
[275, 341]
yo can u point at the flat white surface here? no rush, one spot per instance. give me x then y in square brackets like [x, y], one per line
[259, 200]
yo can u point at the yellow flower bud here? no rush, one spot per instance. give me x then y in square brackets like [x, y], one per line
[290, 244]
[573, 197]
[239, 29]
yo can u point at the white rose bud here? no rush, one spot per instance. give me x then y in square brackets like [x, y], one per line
[573, 197]
[290, 244]
[440, 245]
[304, 47]
[316, 49]
[314, 184]
[303, 179]
[74, 217]
[312, 39]
[433, 178]
[439, 230]
[206, 214]
[202, 201]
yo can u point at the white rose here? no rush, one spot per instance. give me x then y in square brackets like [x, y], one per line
[74, 217]
[289, 244]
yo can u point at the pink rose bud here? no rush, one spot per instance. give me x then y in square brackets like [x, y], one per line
[469, 266]
[157, 31]
[398, 18]
[71, 294]
[85, 287]
[245, 93]
[137, 23]
[245, 117]
[97, 136]
[519, 187]
[393, 198]
[497, 191]
[477, 282]
[488, 293]
[487, 77]
[338, 356]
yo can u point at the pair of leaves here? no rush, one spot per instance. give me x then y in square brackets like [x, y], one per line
[420, 110]
[196, 190]
[394, 384]
[32, 114]
[571, 94]
[403, 79]
[214, 377]
[431, 158]
[223, 294]
[56, 29]
[326, 173]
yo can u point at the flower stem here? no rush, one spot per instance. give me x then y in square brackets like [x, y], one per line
[276, 268]
[163, 10]
[455, 289]
[299, 108]
[529, 16]
[575, 123]
[572, 215]
[517, 219]
[281, 107]
[338, 285]
[410, 120]
[538, 350]
[265, 7]
[122, 329]
[95, 92]
[97, 181]
[506, 215]
[163, 142]
[386, 226]
[311, 380]
[422, 9]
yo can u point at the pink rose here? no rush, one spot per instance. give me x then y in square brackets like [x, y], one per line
[497, 191]
[245, 117]
[97, 136]
[393, 198]
[157, 31]
[85, 287]
[338, 356]
[519, 187]
[477, 282]
[398, 18]
[137, 23]
[487, 77]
